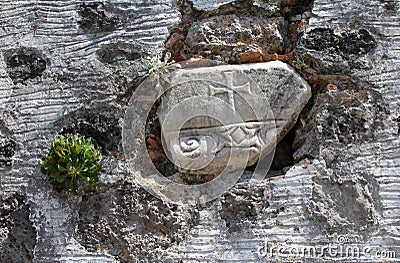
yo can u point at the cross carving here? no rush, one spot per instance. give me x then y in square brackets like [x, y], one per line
[231, 88]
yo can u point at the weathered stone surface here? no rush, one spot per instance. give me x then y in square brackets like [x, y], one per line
[336, 51]
[91, 69]
[122, 225]
[24, 63]
[7, 146]
[224, 37]
[96, 19]
[7, 150]
[234, 32]
[99, 123]
[17, 235]
[294, 9]
[346, 206]
[270, 6]
[342, 113]
[242, 207]
[210, 5]
[112, 53]
[206, 142]
[343, 189]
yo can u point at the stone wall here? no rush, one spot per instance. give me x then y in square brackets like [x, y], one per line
[72, 66]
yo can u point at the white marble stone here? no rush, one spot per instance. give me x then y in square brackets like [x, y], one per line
[212, 114]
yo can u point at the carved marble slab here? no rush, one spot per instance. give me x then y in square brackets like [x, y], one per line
[213, 117]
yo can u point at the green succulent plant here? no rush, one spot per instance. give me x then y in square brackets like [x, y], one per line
[70, 158]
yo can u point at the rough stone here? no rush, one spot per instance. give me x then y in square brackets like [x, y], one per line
[224, 37]
[210, 5]
[7, 145]
[17, 235]
[356, 42]
[95, 19]
[242, 207]
[338, 183]
[344, 206]
[247, 89]
[23, 64]
[112, 53]
[334, 51]
[81, 88]
[237, 17]
[7, 150]
[101, 124]
[122, 225]
[293, 8]
[271, 7]
[350, 114]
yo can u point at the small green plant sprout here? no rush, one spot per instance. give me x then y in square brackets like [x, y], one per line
[300, 64]
[158, 63]
[159, 67]
[70, 158]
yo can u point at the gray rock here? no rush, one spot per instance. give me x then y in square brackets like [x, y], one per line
[343, 191]
[65, 67]
[225, 37]
[17, 235]
[216, 113]
[272, 6]
[306, 14]
[336, 51]
[210, 5]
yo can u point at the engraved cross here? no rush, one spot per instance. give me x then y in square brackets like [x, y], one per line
[231, 88]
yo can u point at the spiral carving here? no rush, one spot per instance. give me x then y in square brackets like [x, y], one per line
[191, 147]
[194, 152]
